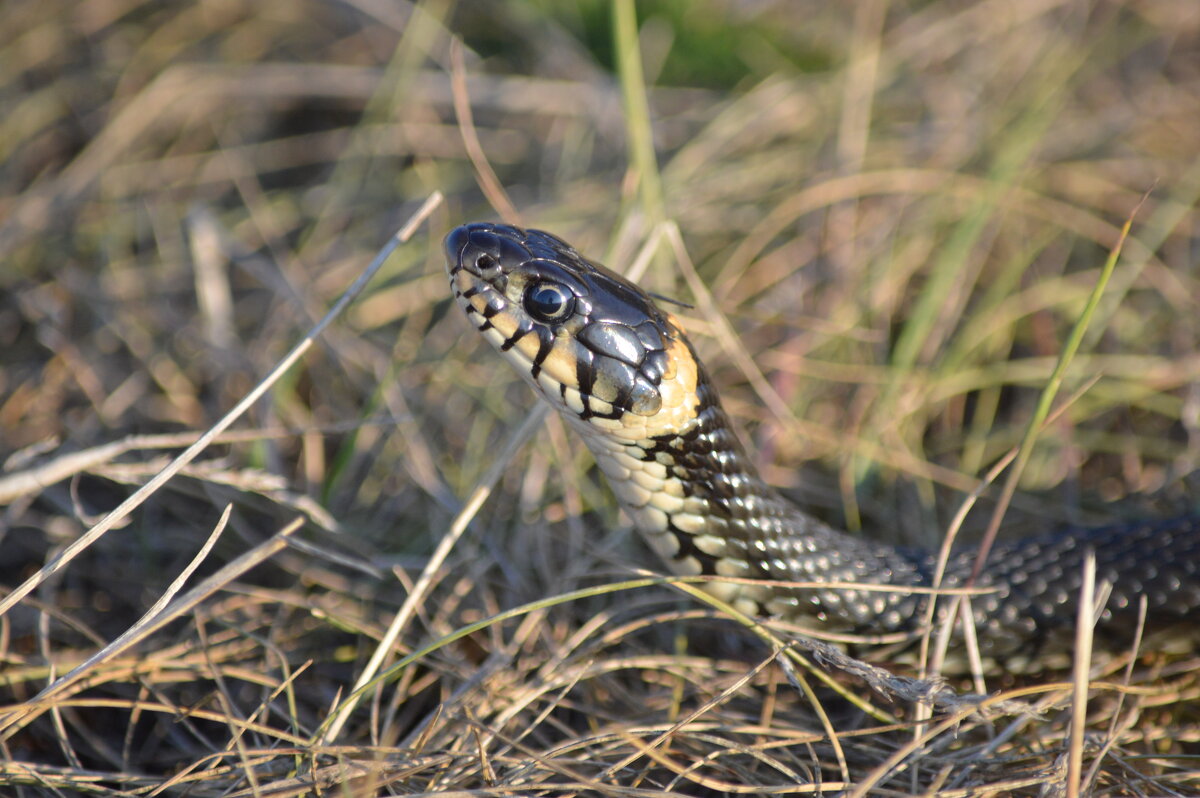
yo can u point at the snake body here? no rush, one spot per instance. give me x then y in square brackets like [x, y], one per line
[623, 374]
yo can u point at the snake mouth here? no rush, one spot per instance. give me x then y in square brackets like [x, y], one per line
[586, 338]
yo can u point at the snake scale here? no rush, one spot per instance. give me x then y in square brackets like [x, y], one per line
[623, 374]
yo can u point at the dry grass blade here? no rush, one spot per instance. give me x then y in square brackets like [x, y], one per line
[37, 478]
[1081, 674]
[492, 188]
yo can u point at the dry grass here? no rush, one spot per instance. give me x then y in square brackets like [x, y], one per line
[900, 213]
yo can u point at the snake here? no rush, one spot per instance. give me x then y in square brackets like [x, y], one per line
[622, 373]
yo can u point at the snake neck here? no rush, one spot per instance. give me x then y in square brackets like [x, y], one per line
[697, 499]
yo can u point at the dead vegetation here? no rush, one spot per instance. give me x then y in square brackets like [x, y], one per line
[900, 212]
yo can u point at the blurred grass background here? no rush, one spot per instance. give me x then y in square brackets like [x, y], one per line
[900, 209]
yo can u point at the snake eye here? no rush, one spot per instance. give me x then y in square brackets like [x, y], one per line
[548, 301]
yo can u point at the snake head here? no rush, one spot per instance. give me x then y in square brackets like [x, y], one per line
[589, 340]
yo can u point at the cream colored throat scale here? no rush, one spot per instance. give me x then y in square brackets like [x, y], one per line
[623, 374]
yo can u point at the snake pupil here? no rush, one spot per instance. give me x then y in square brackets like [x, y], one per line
[547, 301]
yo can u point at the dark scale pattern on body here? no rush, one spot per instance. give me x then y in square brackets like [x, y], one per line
[749, 530]
[774, 540]
[1031, 614]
